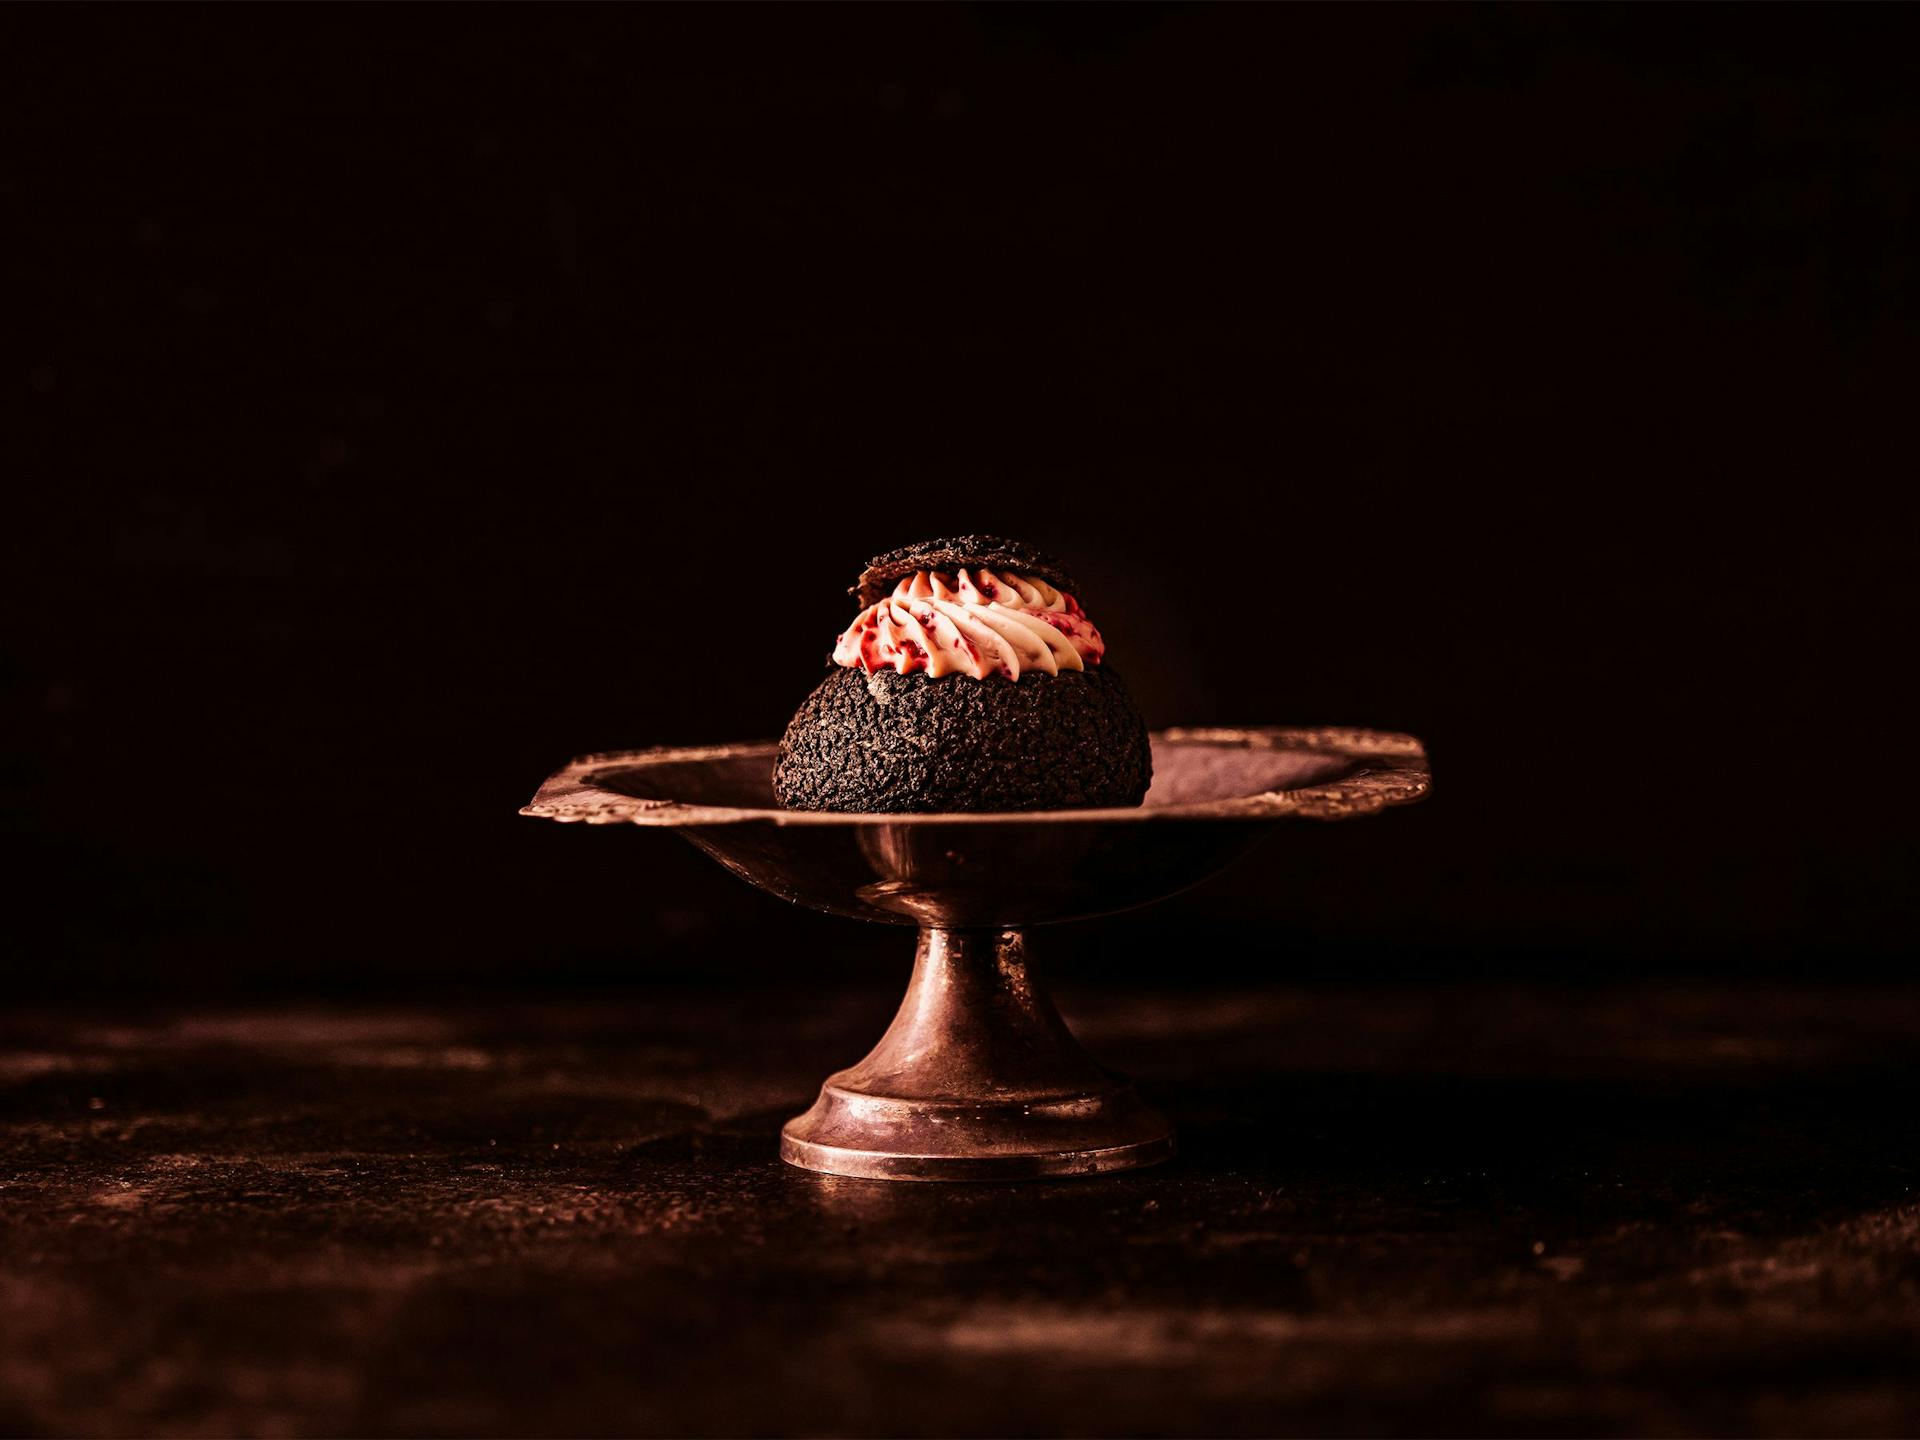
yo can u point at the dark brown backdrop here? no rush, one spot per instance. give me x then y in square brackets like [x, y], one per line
[408, 399]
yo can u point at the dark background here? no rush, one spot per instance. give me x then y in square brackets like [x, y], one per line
[408, 399]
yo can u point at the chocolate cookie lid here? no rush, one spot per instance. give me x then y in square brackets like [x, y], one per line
[962, 551]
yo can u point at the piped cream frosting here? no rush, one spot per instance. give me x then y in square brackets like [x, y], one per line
[975, 622]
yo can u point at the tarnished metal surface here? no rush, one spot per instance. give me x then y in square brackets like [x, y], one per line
[978, 1078]
[1327, 773]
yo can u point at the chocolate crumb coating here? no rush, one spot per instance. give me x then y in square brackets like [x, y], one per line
[900, 743]
[970, 551]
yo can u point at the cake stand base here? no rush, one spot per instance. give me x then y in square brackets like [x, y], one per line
[978, 1078]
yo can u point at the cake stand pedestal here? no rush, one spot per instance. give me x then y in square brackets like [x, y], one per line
[978, 1078]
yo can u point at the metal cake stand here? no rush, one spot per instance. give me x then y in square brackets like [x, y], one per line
[978, 1078]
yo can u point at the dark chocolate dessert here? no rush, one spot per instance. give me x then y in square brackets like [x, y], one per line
[971, 680]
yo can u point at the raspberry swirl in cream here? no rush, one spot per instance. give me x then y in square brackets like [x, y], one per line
[977, 624]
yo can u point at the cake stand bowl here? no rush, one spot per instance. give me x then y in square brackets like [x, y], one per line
[978, 1078]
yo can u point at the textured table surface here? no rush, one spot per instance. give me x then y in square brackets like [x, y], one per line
[1522, 1210]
